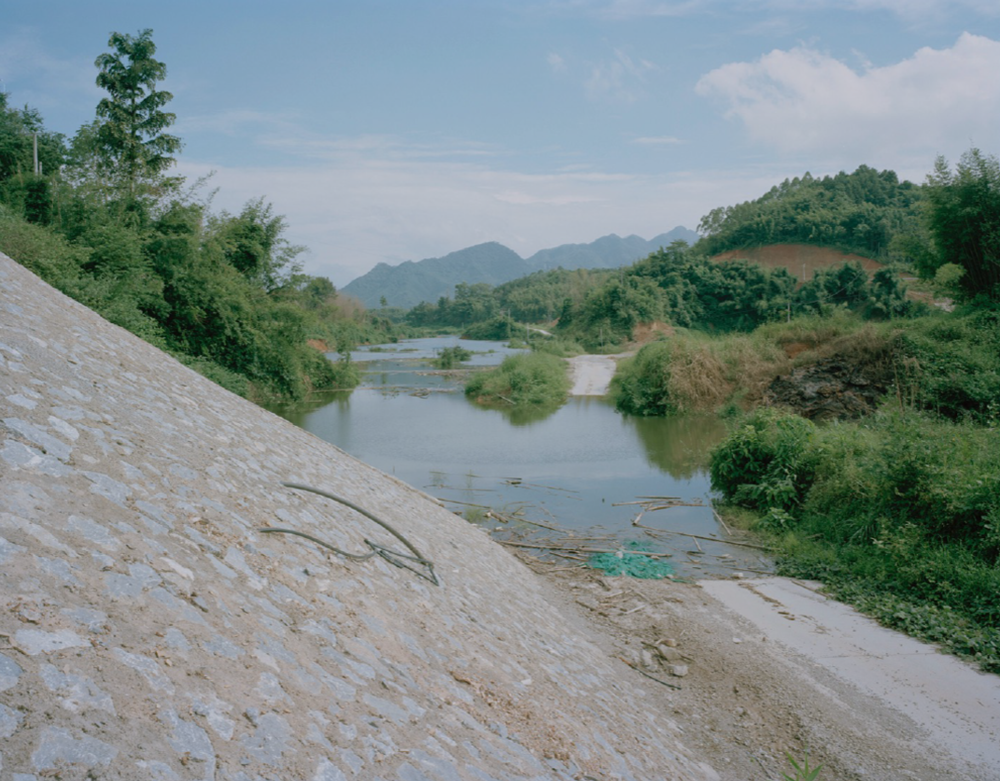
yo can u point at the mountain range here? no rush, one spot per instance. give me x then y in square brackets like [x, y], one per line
[409, 283]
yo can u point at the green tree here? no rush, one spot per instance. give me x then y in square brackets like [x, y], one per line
[20, 130]
[860, 212]
[843, 285]
[473, 303]
[316, 293]
[964, 218]
[888, 295]
[133, 145]
[254, 245]
[23, 138]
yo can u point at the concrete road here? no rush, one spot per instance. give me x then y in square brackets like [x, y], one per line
[957, 705]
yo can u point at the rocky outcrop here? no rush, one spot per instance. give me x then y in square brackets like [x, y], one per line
[828, 390]
[148, 629]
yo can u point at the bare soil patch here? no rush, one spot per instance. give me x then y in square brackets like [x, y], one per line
[644, 333]
[800, 260]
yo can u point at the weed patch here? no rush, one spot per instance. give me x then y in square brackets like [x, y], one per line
[529, 379]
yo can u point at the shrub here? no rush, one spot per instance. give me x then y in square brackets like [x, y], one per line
[526, 379]
[230, 380]
[449, 357]
[940, 477]
[951, 365]
[497, 329]
[46, 254]
[343, 373]
[639, 387]
[766, 463]
[563, 348]
[691, 372]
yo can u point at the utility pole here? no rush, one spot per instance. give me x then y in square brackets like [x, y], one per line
[34, 137]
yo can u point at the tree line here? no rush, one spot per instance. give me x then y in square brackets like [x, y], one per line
[100, 217]
[678, 284]
[946, 231]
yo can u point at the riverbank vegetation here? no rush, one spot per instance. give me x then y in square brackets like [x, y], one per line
[481, 311]
[100, 218]
[536, 380]
[450, 357]
[898, 512]
[866, 212]
[898, 515]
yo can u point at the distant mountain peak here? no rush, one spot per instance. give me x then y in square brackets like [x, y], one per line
[411, 282]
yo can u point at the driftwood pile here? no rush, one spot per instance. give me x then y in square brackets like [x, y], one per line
[547, 542]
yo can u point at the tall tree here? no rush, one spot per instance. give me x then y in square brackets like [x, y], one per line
[131, 137]
[964, 218]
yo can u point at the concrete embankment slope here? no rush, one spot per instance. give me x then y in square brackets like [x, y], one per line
[149, 630]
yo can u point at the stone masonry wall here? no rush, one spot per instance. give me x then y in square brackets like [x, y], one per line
[148, 630]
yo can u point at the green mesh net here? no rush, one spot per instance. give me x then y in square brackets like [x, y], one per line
[632, 561]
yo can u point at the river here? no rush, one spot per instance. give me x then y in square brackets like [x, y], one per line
[582, 468]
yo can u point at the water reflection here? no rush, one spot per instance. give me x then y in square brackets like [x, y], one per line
[577, 466]
[524, 415]
[679, 444]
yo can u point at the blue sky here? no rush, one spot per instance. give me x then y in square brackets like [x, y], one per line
[388, 131]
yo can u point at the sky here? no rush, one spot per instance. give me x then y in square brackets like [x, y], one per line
[394, 130]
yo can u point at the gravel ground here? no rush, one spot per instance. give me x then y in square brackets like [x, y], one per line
[745, 699]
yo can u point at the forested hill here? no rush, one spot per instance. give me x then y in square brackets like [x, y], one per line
[867, 212]
[412, 282]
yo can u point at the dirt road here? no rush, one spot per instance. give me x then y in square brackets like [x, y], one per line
[770, 666]
[591, 374]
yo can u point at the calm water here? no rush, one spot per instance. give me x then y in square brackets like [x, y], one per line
[569, 468]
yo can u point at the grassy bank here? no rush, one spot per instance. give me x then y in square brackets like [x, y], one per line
[694, 372]
[898, 511]
[947, 364]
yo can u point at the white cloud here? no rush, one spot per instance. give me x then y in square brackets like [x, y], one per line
[557, 63]
[805, 102]
[657, 141]
[358, 211]
[619, 79]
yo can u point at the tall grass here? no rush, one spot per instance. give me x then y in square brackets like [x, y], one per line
[693, 372]
[946, 364]
[554, 345]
